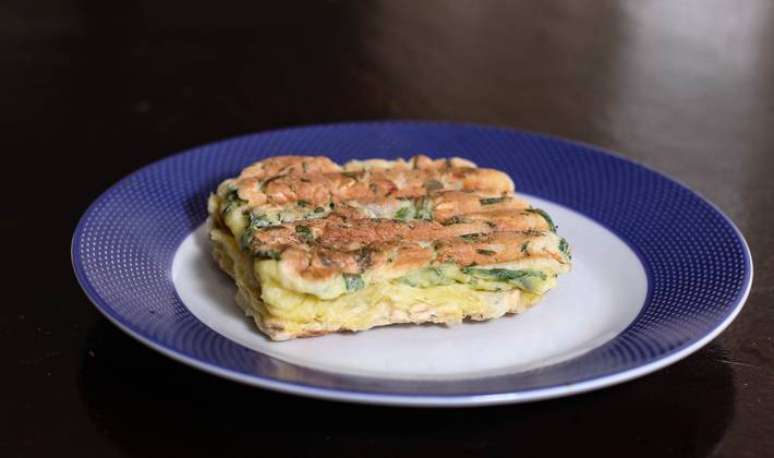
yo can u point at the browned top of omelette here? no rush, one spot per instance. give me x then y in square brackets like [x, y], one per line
[321, 219]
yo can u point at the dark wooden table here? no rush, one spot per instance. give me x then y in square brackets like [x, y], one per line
[93, 90]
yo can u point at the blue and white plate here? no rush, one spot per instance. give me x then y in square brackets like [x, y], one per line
[658, 272]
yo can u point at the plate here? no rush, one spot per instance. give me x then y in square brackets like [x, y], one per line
[658, 272]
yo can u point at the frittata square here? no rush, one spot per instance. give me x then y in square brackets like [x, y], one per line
[316, 247]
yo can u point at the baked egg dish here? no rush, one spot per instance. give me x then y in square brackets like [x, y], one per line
[316, 247]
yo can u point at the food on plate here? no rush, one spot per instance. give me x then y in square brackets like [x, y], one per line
[316, 247]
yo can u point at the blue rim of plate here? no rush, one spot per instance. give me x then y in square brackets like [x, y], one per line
[697, 263]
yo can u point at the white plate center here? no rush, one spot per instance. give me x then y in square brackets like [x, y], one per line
[592, 304]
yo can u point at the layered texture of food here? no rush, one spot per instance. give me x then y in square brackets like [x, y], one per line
[316, 247]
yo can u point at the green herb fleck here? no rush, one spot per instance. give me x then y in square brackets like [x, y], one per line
[245, 239]
[302, 203]
[433, 185]
[332, 205]
[363, 258]
[453, 220]
[268, 254]
[304, 233]
[354, 282]
[498, 274]
[255, 222]
[564, 247]
[486, 252]
[537, 211]
[492, 200]
[232, 201]
[404, 213]
[424, 209]
[524, 247]
[319, 209]
[471, 237]
[352, 175]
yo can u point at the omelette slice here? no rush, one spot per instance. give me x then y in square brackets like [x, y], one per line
[316, 247]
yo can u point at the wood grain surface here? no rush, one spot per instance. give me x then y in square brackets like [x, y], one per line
[91, 91]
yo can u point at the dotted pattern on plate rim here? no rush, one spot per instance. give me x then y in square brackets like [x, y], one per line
[696, 264]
